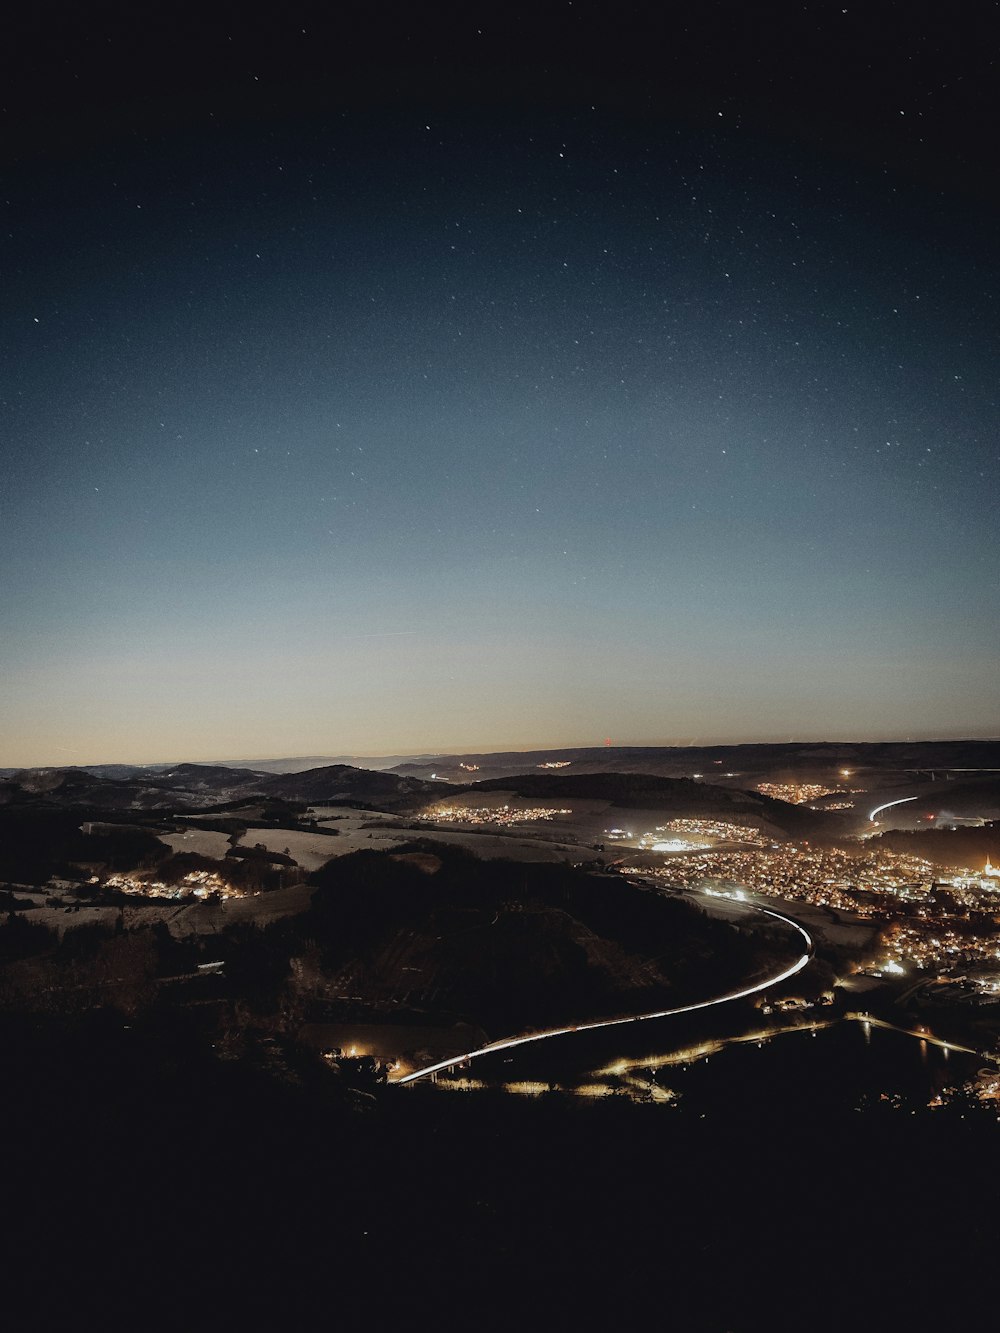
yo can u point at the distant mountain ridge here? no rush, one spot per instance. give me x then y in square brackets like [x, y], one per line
[747, 762]
[301, 764]
[198, 786]
[668, 760]
[721, 778]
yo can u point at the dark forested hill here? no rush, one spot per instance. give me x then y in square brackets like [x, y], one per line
[341, 782]
[640, 791]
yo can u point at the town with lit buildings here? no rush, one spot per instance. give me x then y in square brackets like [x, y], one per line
[935, 919]
[716, 830]
[859, 883]
[197, 884]
[504, 816]
[796, 793]
[688, 835]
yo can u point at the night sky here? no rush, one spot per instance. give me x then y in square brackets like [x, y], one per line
[478, 379]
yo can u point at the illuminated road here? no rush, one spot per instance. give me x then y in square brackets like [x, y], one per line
[922, 1034]
[888, 806]
[508, 1043]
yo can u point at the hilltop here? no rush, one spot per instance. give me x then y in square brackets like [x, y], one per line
[342, 783]
[643, 791]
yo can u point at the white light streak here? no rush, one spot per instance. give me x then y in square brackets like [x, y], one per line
[888, 806]
[508, 1043]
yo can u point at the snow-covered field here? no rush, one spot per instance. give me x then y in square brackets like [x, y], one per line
[197, 918]
[261, 908]
[309, 850]
[345, 816]
[205, 842]
[68, 918]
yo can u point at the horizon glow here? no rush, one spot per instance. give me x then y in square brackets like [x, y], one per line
[369, 437]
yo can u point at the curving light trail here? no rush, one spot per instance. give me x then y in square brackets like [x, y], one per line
[508, 1043]
[888, 806]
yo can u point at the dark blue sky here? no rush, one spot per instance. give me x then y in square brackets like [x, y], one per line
[406, 416]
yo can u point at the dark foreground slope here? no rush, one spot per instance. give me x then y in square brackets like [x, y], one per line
[147, 1186]
[175, 1158]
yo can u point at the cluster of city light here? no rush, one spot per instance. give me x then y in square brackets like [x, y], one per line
[971, 887]
[678, 845]
[937, 944]
[986, 1085]
[503, 815]
[826, 878]
[716, 830]
[948, 929]
[197, 883]
[796, 793]
[555, 763]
